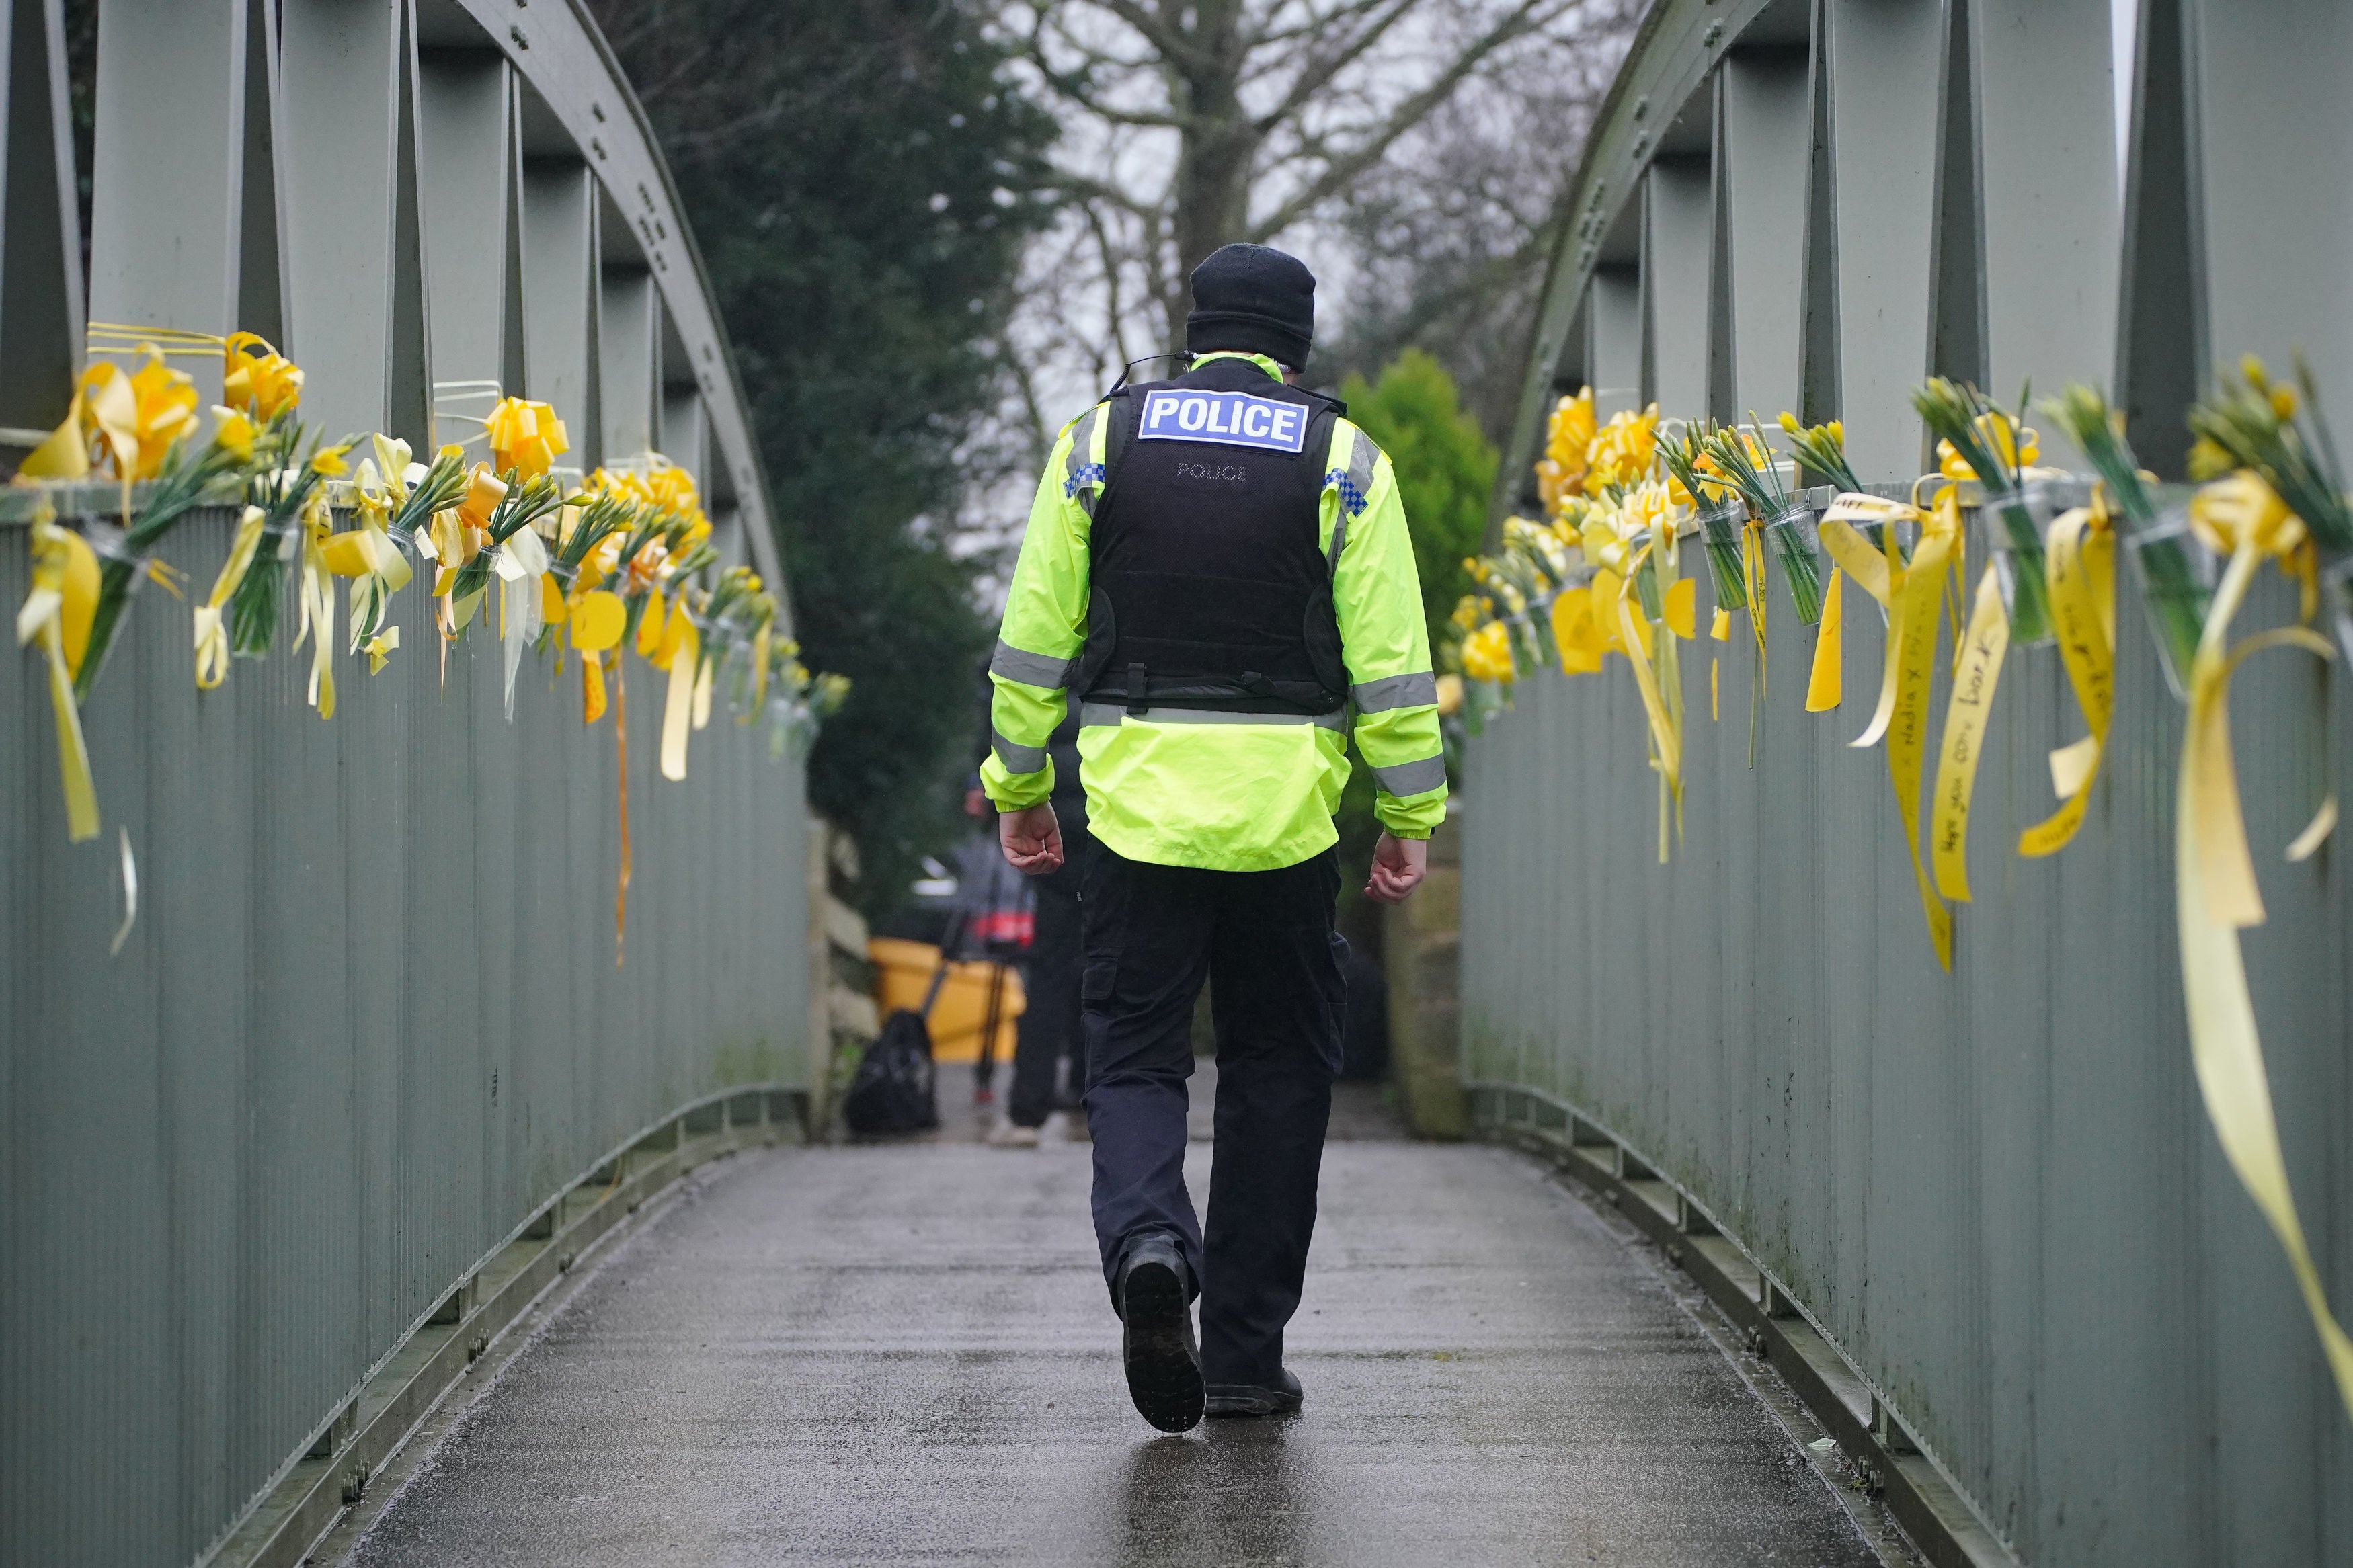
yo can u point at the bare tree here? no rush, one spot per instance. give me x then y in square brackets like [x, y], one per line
[1448, 237]
[1191, 123]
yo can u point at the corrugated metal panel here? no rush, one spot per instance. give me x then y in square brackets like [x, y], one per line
[1995, 1190]
[367, 1021]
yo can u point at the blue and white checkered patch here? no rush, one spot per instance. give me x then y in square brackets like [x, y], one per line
[1350, 496]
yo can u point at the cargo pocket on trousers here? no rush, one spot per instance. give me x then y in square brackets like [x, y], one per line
[1095, 984]
[1336, 997]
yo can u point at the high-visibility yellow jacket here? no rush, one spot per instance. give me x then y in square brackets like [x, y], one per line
[1223, 792]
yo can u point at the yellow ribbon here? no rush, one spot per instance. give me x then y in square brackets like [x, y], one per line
[681, 655]
[704, 680]
[2214, 896]
[318, 602]
[524, 436]
[1752, 571]
[64, 596]
[1976, 674]
[1826, 684]
[66, 454]
[1874, 569]
[1576, 633]
[1660, 706]
[1680, 604]
[592, 688]
[367, 554]
[379, 647]
[212, 636]
[2082, 583]
[621, 770]
[653, 624]
[1903, 714]
[597, 619]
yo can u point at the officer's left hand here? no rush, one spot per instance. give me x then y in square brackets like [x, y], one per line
[1031, 839]
[1399, 866]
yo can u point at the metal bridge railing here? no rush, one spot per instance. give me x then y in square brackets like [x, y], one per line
[1994, 1193]
[366, 1034]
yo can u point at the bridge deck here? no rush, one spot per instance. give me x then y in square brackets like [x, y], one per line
[904, 1354]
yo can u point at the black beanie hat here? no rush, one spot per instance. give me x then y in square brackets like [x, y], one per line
[1255, 298]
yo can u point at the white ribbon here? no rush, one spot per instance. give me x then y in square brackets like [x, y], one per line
[521, 560]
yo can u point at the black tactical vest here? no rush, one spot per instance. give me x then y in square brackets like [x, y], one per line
[1210, 589]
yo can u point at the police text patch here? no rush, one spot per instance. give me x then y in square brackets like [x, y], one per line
[1229, 418]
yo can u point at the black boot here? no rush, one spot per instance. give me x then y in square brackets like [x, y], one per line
[1164, 1364]
[1251, 1399]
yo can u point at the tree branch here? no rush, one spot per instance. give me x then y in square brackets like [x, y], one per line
[1340, 171]
[1317, 74]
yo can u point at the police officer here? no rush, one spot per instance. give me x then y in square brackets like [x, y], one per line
[1218, 565]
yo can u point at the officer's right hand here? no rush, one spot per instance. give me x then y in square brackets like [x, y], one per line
[1399, 866]
[1031, 839]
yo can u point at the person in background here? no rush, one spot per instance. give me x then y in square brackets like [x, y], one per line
[1047, 1051]
[1219, 567]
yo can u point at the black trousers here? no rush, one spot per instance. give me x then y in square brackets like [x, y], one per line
[1048, 1027]
[1265, 941]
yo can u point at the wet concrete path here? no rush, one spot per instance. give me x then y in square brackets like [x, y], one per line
[905, 1355]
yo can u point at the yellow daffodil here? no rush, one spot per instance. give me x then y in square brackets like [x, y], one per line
[1567, 434]
[1450, 696]
[234, 433]
[1622, 450]
[2017, 446]
[257, 378]
[1570, 428]
[328, 462]
[1649, 508]
[1487, 653]
[138, 415]
[2208, 460]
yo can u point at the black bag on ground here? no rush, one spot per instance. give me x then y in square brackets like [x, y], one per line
[895, 1089]
[893, 1092]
